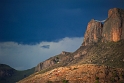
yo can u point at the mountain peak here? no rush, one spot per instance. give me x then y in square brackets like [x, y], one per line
[115, 12]
[93, 32]
[111, 30]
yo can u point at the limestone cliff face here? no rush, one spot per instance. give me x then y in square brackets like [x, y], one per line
[93, 33]
[113, 29]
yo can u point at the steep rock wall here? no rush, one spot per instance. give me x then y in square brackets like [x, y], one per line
[93, 33]
[113, 28]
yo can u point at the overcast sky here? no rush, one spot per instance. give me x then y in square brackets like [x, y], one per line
[31, 31]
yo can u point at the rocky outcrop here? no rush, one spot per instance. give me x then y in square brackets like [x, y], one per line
[64, 52]
[62, 58]
[46, 64]
[113, 29]
[93, 33]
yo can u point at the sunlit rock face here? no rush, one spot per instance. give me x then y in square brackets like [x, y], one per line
[60, 58]
[113, 29]
[93, 33]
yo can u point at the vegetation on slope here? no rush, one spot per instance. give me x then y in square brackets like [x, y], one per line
[109, 53]
[87, 73]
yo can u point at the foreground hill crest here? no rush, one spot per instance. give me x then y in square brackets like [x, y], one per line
[88, 73]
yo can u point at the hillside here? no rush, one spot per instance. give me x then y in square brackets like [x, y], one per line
[100, 57]
[87, 73]
[100, 53]
[10, 75]
[110, 54]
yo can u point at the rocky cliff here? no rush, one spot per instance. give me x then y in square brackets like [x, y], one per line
[93, 33]
[57, 60]
[111, 30]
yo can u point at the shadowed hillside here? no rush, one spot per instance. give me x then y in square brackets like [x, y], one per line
[10, 75]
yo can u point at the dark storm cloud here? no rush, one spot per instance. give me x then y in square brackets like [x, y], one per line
[30, 21]
[45, 46]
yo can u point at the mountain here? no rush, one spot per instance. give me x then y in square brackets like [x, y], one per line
[111, 30]
[101, 50]
[105, 37]
[10, 75]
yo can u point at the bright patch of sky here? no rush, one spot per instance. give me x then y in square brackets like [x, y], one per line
[20, 56]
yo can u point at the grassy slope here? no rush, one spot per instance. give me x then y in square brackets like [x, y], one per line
[88, 73]
[110, 54]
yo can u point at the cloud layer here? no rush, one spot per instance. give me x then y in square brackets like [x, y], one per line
[20, 56]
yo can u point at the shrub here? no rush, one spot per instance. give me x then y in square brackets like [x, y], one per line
[97, 80]
[49, 81]
[75, 68]
[122, 75]
[112, 79]
[121, 82]
[65, 81]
